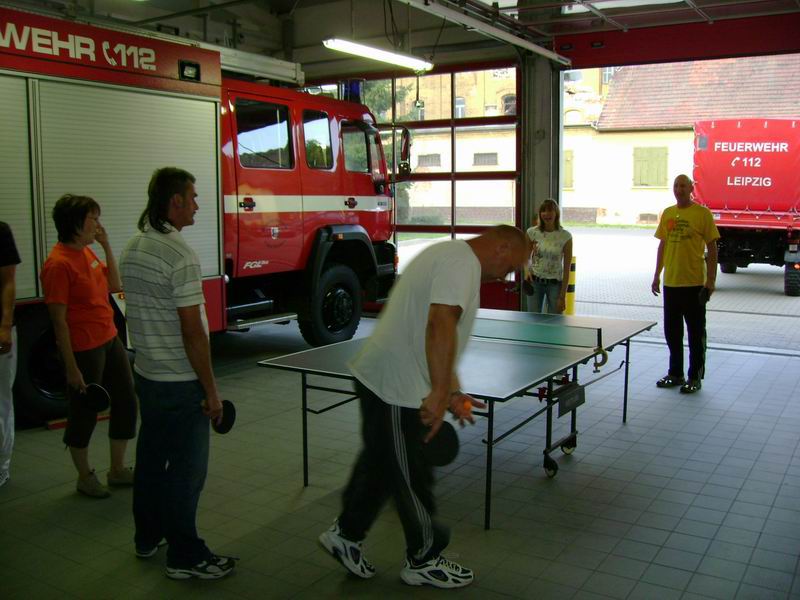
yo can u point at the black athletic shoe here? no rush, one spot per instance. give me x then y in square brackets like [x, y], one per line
[213, 568]
[148, 551]
[691, 386]
[670, 381]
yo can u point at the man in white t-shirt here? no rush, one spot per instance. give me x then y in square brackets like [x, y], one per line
[406, 381]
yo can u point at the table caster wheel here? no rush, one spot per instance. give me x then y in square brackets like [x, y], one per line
[550, 467]
[568, 449]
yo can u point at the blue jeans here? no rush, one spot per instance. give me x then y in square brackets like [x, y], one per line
[8, 371]
[171, 466]
[542, 291]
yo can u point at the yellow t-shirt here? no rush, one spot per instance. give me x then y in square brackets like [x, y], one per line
[686, 232]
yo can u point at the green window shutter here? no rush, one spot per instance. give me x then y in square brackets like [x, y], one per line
[660, 160]
[639, 166]
[568, 182]
[650, 167]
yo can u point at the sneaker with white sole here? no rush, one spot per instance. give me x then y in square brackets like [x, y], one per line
[438, 572]
[4, 477]
[348, 553]
[213, 568]
[123, 478]
[91, 486]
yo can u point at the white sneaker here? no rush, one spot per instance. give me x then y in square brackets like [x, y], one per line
[438, 572]
[4, 478]
[91, 486]
[346, 552]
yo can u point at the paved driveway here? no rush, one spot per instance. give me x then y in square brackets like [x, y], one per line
[615, 269]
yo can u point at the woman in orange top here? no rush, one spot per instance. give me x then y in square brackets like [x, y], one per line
[76, 286]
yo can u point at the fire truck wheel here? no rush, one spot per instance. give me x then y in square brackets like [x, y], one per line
[335, 307]
[727, 267]
[39, 386]
[791, 280]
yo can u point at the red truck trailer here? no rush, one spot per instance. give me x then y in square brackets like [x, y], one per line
[747, 172]
[295, 216]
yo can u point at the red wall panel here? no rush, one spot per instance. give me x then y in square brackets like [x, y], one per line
[754, 36]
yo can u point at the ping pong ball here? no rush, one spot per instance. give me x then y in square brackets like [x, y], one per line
[468, 406]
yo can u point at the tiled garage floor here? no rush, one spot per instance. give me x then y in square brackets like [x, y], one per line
[696, 496]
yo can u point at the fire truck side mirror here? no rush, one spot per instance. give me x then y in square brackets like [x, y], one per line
[380, 184]
[405, 145]
[403, 164]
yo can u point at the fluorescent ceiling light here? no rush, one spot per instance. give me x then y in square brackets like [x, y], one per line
[394, 58]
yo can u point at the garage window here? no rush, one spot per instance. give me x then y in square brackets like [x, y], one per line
[463, 153]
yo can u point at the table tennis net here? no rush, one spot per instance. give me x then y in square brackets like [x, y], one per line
[538, 333]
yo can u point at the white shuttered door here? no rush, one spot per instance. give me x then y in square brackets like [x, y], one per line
[106, 143]
[16, 205]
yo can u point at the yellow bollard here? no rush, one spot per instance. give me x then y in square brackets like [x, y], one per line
[569, 309]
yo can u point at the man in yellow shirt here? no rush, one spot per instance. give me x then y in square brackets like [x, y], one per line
[687, 233]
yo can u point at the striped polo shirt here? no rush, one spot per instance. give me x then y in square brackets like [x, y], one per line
[160, 273]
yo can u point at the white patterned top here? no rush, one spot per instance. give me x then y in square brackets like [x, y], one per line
[547, 261]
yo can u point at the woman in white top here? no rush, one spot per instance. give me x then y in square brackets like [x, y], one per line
[551, 256]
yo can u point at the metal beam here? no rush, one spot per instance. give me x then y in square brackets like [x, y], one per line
[660, 14]
[439, 8]
[696, 9]
[590, 6]
[492, 15]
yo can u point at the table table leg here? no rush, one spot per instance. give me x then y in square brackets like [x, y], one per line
[625, 393]
[305, 431]
[487, 515]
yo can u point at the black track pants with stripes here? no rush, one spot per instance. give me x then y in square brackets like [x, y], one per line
[391, 465]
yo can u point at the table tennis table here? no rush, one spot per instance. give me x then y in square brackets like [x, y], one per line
[509, 355]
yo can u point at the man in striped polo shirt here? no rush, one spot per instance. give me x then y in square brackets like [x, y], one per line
[165, 309]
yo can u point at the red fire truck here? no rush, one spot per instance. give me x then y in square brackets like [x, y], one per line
[747, 172]
[295, 216]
